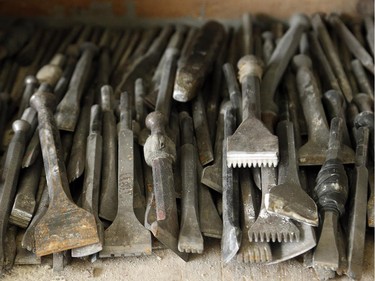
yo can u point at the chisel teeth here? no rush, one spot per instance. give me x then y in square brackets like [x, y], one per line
[259, 159]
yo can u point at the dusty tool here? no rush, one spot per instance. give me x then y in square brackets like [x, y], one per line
[28, 241]
[91, 183]
[68, 110]
[365, 105]
[231, 239]
[361, 77]
[371, 199]
[25, 201]
[314, 151]
[335, 105]
[352, 43]
[60, 260]
[30, 85]
[160, 153]
[10, 171]
[364, 102]
[176, 42]
[269, 227]
[10, 248]
[201, 129]
[250, 252]
[211, 175]
[247, 34]
[268, 46]
[49, 74]
[126, 236]
[233, 90]
[278, 62]
[287, 198]
[369, 25]
[190, 239]
[331, 194]
[357, 210]
[252, 144]
[145, 64]
[24, 256]
[209, 219]
[128, 58]
[108, 193]
[366, 119]
[76, 226]
[150, 212]
[76, 163]
[214, 87]
[190, 77]
[318, 53]
[332, 56]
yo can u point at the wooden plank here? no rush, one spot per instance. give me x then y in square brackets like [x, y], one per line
[201, 9]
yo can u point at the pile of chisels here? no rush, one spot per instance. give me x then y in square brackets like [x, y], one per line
[120, 141]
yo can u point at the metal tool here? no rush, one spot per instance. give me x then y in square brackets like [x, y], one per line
[190, 77]
[369, 25]
[143, 64]
[76, 162]
[68, 110]
[10, 172]
[76, 226]
[269, 227]
[331, 53]
[10, 248]
[231, 239]
[307, 241]
[250, 252]
[278, 62]
[352, 43]
[331, 194]
[190, 239]
[24, 256]
[233, 90]
[314, 151]
[201, 129]
[288, 199]
[49, 74]
[91, 182]
[371, 199]
[364, 102]
[176, 42]
[160, 153]
[25, 201]
[210, 222]
[318, 54]
[108, 193]
[335, 106]
[247, 34]
[366, 120]
[252, 144]
[214, 88]
[357, 210]
[135, 51]
[28, 241]
[361, 77]
[126, 236]
[211, 175]
[30, 85]
[268, 46]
